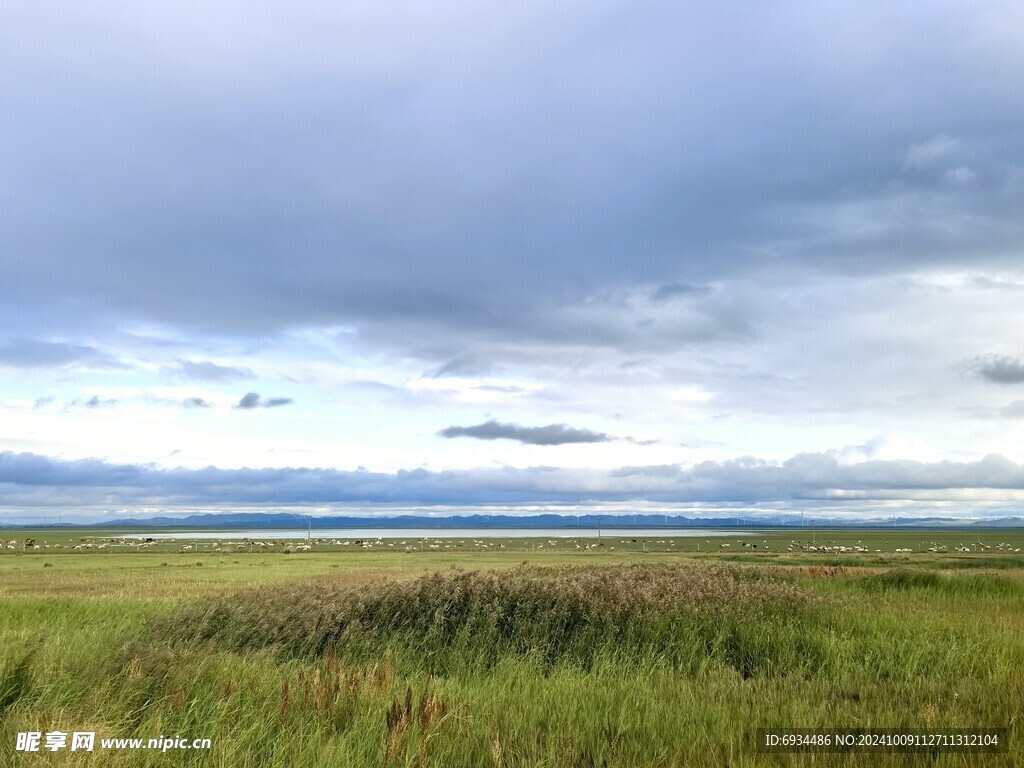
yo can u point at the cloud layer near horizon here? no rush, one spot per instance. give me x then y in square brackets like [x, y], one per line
[30, 480]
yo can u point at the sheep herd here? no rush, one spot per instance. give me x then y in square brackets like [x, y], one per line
[142, 543]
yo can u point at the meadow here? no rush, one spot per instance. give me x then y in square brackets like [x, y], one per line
[512, 652]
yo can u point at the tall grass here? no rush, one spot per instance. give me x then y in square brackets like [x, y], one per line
[551, 667]
[680, 616]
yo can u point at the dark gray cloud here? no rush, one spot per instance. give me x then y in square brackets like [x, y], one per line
[34, 480]
[93, 402]
[552, 434]
[196, 402]
[253, 400]
[205, 370]
[273, 402]
[431, 181]
[250, 400]
[31, 353]
[998, 369]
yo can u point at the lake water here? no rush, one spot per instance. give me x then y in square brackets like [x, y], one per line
[436, 533]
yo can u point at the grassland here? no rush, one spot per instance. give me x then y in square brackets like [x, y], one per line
[511, 652]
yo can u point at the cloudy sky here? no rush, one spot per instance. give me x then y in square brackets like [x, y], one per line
[326, 255]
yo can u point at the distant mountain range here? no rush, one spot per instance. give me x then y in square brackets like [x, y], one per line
[550, 520]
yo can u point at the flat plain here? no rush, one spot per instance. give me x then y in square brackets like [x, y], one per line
[660, 651]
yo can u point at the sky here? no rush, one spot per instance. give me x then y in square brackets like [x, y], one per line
[333, 256]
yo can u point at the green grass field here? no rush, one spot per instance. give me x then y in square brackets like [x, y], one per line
[510, 652]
